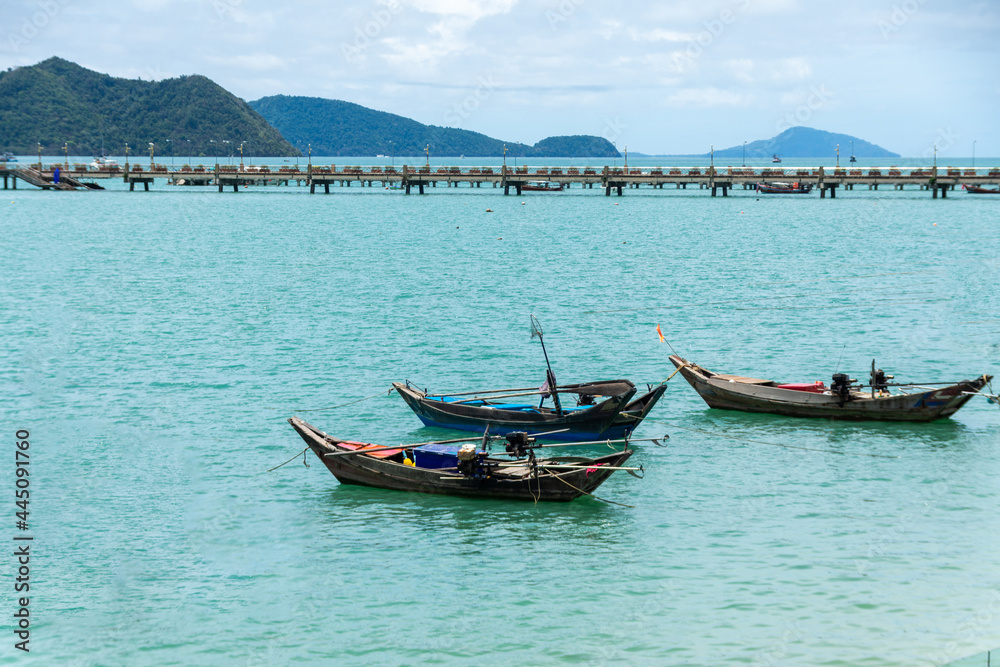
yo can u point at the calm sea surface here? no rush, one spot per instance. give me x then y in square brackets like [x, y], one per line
[155, 343]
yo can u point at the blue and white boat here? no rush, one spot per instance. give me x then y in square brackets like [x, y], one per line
[574, 412]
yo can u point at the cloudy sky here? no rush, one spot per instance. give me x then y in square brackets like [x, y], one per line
[658, 76]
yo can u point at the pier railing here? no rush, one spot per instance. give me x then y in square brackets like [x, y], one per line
[609, 177]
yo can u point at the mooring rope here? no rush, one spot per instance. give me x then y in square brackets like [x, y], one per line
[772, 444]
[292, 459]
[684, 365]
[603, 500]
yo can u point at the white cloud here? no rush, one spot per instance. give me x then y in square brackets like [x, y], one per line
[412, 54]
[742, 69]
[789, 70]
[609, 28]
[632, 60]
[468, 10]
[705, 97]
[258, 62]
[661, 35]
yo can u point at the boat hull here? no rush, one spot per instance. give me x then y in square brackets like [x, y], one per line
[366, 470]
[718, 391]
[798, 189]
[977, 190]
[586, 424]
[632, 414]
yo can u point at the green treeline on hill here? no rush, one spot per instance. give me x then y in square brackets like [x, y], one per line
[57, 102]
[334, 127]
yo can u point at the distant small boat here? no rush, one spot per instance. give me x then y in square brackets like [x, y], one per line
[380, 155]
[977, 190]
[542, 186]
[8, 157]
[854, 159]
[103, 164]
[775, 159]
[778, 188]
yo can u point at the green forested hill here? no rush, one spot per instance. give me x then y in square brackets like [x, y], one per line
[57, 102]
[334, 127]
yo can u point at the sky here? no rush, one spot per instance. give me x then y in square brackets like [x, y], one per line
[658, 77]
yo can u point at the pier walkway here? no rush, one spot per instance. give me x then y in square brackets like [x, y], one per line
[939, 181]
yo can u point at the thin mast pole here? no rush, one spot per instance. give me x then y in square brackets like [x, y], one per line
[537, 329]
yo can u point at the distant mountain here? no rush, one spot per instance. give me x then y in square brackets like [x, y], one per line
[56, 101]
[803, 141]
[338, 128]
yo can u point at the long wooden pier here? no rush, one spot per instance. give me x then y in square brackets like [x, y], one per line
[939, 181]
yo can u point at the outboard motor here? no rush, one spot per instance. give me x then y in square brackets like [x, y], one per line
[519, 444]
[468, 460]
[841, 386]
[880, 380]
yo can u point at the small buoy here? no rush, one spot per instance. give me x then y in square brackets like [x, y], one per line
[616, 203]
[624, 242]
[935, 224]
[522, 203]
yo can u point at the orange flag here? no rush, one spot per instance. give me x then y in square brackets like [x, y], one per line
[662, 339]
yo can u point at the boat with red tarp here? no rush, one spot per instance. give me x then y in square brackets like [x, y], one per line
[463, 471]
[880, 399]
[978, 190]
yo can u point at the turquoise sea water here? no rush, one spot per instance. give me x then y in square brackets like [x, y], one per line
[155, 343]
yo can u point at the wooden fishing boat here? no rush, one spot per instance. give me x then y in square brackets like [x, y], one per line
[542, 186]
[978, 190]
[778, 188]
[843, 399]
[468, 471]
[507, 410]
